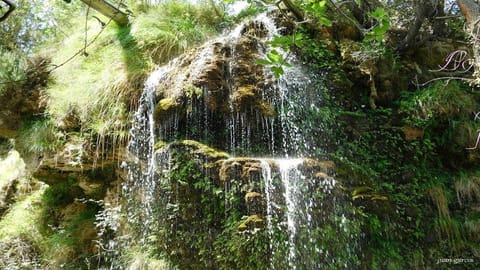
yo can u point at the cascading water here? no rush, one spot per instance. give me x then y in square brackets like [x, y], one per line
[244, 110]
[141, 170]
[290, 177]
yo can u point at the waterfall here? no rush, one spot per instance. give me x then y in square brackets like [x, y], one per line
[290, 177]
[141, 169]
[303, 209]
[178, 189]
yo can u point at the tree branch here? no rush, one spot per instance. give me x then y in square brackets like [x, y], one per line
[11, 7]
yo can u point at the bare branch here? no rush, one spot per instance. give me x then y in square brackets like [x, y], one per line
[11, 7]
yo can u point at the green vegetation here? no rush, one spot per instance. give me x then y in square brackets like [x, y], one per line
[12, 69]
[405, 151]
[173, 27]
[40, 136]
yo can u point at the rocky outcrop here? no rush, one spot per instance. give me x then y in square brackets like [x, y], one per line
[210, 195]
[217, 85]
[23, 99]
[92, 174]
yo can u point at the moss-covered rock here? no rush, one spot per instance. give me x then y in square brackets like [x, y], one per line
[164, 108]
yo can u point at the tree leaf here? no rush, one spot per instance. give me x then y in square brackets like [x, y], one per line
[263, 62]
[275, 57]
[277, 71]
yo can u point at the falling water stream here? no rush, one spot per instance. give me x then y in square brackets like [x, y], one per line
[287, 190]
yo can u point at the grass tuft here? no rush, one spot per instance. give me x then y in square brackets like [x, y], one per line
[173, 27]
[467, 187]
[447, 227]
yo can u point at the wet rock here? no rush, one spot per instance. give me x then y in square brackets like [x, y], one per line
[255, 202]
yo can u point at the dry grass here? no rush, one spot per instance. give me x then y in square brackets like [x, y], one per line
[467, 188]
[447, 228]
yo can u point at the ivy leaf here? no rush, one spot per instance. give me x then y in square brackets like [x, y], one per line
[325, 21]
[378, 14]
[277, 71]
[263, 62]
[275, 57]
[283, 42]
[298, 39]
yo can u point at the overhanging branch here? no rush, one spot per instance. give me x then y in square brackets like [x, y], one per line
[11, 7]
[108, 10]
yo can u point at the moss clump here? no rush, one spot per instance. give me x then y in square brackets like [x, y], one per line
[251, 222]
[23, 218]
[202, 149]
[159, 145]
[61, 194]
[164, 108]
[437, 104]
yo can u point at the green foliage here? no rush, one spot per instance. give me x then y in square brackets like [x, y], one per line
[318, 10]
[94, 90]
[12, 69]
[40, 136]
[28, 26]
[275, 59]
[69, 240]
[20, 236]
[172, 27]
[438, 103]
[61, 194]
[23, 217]
[378, 31]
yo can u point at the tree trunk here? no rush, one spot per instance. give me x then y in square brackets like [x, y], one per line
[108, 10]
[470, 10]
[424, 10]
[420, 15]
[294, 9]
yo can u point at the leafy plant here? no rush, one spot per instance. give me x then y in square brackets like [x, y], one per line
[378, 31]
[12, 69]
[318, 9]
[275, 59]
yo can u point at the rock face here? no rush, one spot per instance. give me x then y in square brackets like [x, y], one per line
[218, 88]
[23, 99]
[74, 161]
[205, 200]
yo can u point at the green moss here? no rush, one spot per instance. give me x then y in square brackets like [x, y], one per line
[164, 108]
[23, 218]
[440, 102]
[205, 150]
[72, 245]
[61, 194]
[159, 145]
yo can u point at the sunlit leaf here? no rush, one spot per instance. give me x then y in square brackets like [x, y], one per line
[275, 57]
[263, 62]
[277, 71]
